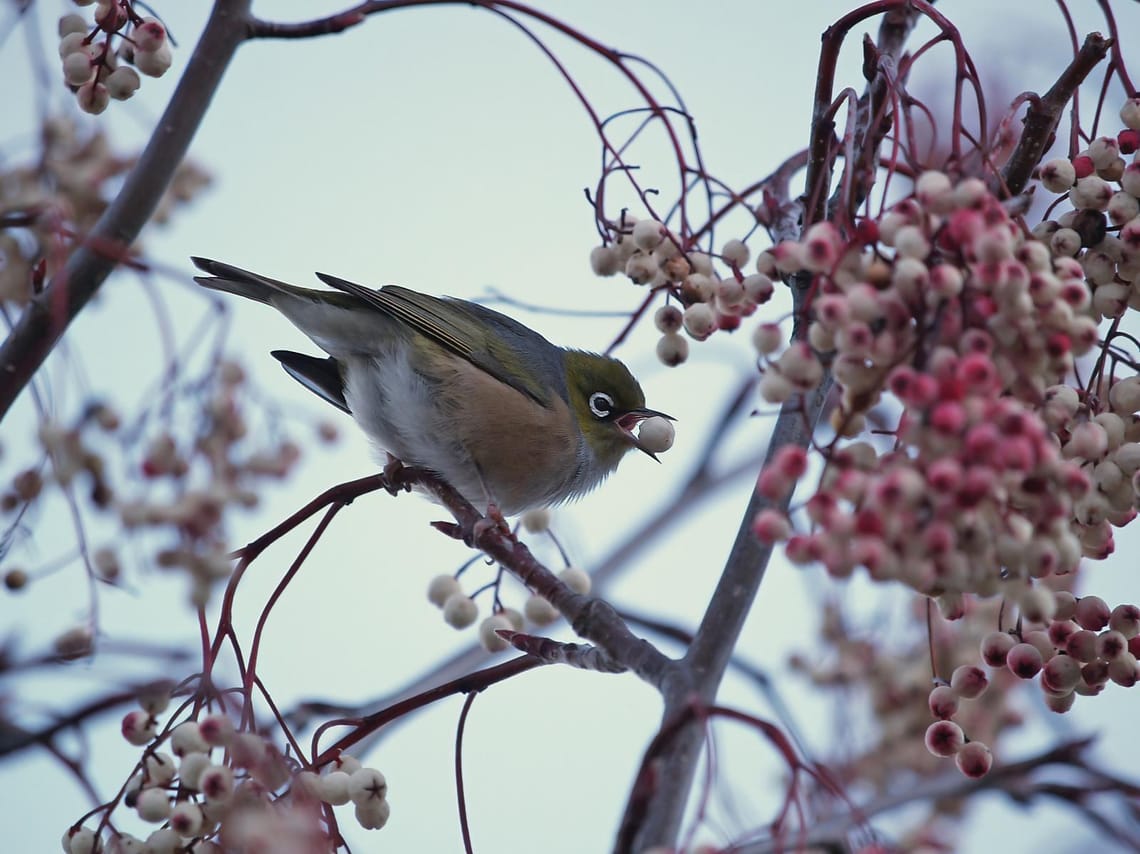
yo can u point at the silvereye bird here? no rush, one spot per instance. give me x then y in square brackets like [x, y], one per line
[504, 416]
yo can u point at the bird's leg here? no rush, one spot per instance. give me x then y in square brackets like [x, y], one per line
[493, 517]
[391, 472]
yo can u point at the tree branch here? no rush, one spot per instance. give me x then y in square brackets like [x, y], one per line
[50, 312]
[720, 628]
[719, 631]
[1044, 113]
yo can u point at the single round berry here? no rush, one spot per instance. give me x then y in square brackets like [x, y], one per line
[969, 681]
[460, 610]
[943, 702]
[1024, 661]
[974, 759]
[996, 647]
[944, 738]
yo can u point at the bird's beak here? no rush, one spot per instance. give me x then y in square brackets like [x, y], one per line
[627, 422]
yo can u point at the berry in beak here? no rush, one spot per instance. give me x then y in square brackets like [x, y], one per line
[628, 422]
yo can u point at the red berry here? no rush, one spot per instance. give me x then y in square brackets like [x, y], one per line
[867, 231]
[1083, 165]
[728, 322]
[1128, 140]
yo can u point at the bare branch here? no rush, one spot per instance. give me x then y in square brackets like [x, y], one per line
[582, 656]
[1044, 114]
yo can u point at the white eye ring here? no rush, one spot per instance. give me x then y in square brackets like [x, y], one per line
[601, 404]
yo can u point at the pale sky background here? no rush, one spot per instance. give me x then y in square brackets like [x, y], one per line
[438, 149]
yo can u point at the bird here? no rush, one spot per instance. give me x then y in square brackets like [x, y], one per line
[505, 417]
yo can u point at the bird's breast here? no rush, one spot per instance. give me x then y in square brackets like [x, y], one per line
[434, 409]
[527, 454]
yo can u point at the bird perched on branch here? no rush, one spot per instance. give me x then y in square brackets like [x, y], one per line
[508, 419]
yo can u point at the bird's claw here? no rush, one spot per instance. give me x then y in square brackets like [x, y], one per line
[392, 472]
[493, 519]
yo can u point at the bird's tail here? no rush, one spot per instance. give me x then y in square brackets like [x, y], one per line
[235, 280]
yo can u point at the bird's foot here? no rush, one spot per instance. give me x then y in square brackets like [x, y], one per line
[492, 519]
[393, 480]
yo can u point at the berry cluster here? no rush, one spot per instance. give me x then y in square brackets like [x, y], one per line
[898, 685]
[460, 609]
[1012, 455]
[94, 69]
[248, 797]
[1011, 458]
[649, 254]
[60, 194]
[1076, 644]
[192, 482]
[999, 474]
[187, 485]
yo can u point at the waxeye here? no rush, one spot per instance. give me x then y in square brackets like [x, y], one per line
[601, 404]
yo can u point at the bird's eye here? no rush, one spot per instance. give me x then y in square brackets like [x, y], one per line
[601, 404]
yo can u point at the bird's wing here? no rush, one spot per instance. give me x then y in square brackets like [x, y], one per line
[481, 336]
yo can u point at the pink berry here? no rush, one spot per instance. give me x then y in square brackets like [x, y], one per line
[948, 418]
[1095, 674]
[801, 549]
[1066, 605]
[821, 508]
[944, 738]
[149, 34]
[867, 232]
[1040, 640]
[969, 681]
[1060, 631]
[217, 730]
[791, 460]
[1024, 661]
[138, 728]
[1123, 670]
[770, 526]
[1092, 613]
[943, 702]
[974, 760]
[1111, 644]
[773, 484]
[1061, 674]
[996, 647]
[1126, 620]
[944, 475]
[977, 371]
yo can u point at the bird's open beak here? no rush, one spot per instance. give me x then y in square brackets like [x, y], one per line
[629, 421]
